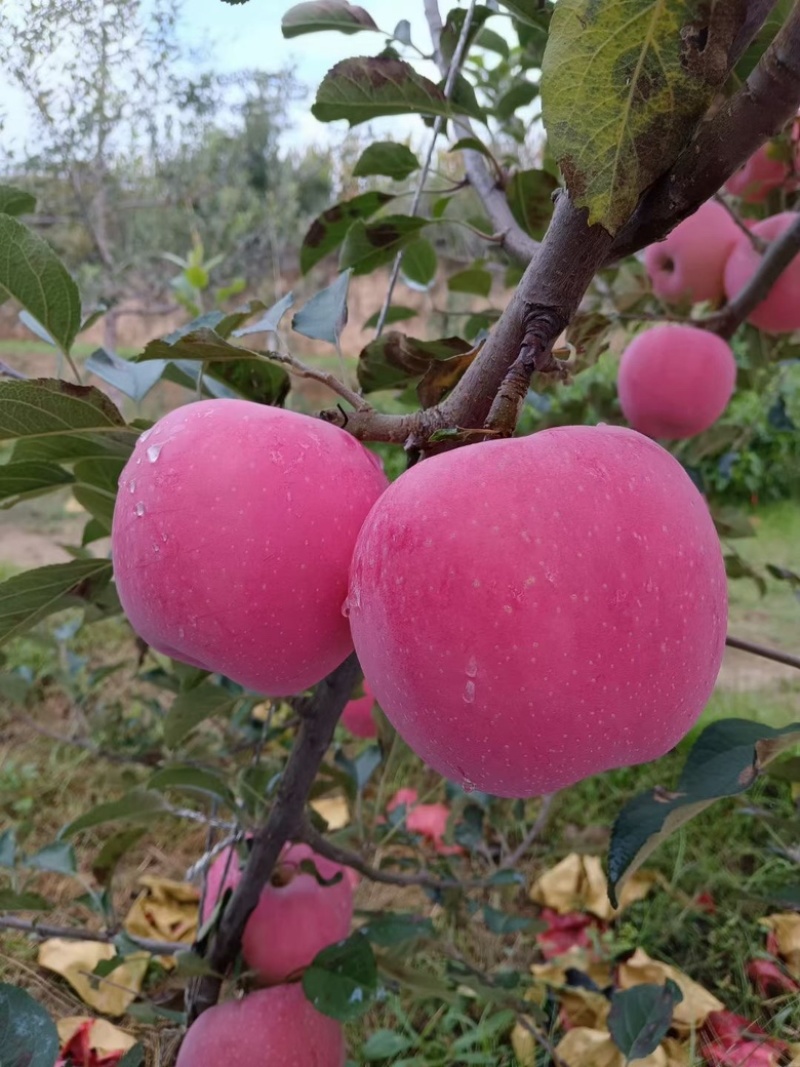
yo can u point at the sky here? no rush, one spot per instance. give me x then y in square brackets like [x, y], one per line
[249, 35]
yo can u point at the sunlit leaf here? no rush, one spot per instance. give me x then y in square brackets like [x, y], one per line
[362, 89]
[318, 15]
[387, 158]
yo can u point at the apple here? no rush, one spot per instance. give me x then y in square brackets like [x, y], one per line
[690, 262]
[224, 873]
[428, 820]
[357, 715]
[533, 611]
[764, 171]
[296, 917]
[675, 381]
[779, 311]
[275, 1027]
[232, 536]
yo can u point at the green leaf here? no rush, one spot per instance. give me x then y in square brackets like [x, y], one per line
[138, 805]
[325, 15]
[454, 24]
[519, 95]
[501, 923]
[203, 344]
[28, 1036]
[29, 597]
[134, 1057]
[325, 315]
[18, 481]
[8, 848]
[726, 759]
[640, 1017]
[530, 197]
[342, 979]
[754, 51]
[58, 857]
[393, 928]
[383, 1044]
[259, 380]
[33, 275]
[474, 280]
[193, 707]
[370, 245]
[193, 780]
[14, 201]
[527, 11]
[362, 89]
[387, 158]
[624, 83]
[397, 313]
[42, 407]
[394, 359]
[115, 848]
[419, 264]
[270, 320]
[328, 231]
[493, 42]
[96, 486]
[11, 901]
[133, 379]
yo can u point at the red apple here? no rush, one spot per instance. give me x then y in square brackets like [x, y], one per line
[533, 611]
[233, 532]
[690, 262]
[764, 171]
[296, 917]
[357, 715]
[428, 820]
[779, 312]
[675, 381]
[224, 873]
[275, 1027]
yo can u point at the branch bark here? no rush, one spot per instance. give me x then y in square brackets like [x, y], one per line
[318, 721]
[72, 933]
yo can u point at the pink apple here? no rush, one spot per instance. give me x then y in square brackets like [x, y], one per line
[296, 917]
[764, 171]
[675, 381]
[224, 873]
[428, 820]
[533, 611]
[233, 532]
[357, 715]
[779, 312]
[275, 1027]
[690, 262]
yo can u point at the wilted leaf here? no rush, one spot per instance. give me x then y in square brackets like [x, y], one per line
[785, 938]
[726, 759]
[362, 89]
[325, 15]
[640, 1017]
[584, 1007]
[388, 158]
[102, 1038]
[325, 315]
[33, 275]
[29, 597]
[578, 883]
[442, 376]
[328, 231]
[165, 911]
[530, 197]
[76, 960]
[691, 1012]
[623, 87]
[15, 201]
[28, 1037]
[342, 979]
[334, 810]
[395, 359]
[582, 1047]
[371, 244]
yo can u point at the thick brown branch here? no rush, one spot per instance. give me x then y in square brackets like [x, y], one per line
[777, 258]
[74, 933]
[761, 650]
[284, 822]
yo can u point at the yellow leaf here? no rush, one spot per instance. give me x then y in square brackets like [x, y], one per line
[103, 1037]
[164, 911]
[584, 1007]
[75, 961]
[524, 1045]
[334, 811]
[786, 928]
[697, 1002]
[578, 883]
[678, 1054]
[554, 973]
[584, 1047]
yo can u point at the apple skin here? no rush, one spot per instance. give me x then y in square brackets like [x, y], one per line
[779, 312]
[275, 1027]
[232, 536]
[357, 715]
[429, 820]
[690, 261]
[534, 611]
[293, 922]
[675, 381]
[755, 179]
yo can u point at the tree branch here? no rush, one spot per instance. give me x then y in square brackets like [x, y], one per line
[285, 821]
[776, 259]
[72, 933]
[761, 650]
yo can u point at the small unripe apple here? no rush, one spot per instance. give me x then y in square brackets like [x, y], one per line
[296, 917]
[357, 715]
[675, 381]
[233, 531]
[690, 262]
[764, 171]
[779, 311]
[275, 1027]
[534, 611]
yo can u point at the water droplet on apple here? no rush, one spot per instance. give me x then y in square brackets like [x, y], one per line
[140, 509]
[471, 669]
[153, 452]
[469, 693]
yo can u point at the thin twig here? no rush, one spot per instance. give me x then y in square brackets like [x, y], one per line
[438, 124]
[776, 259]
[302, 370]
[540, 822]
[72, 933]
[9, 372]
[757, 242]
[761, 650]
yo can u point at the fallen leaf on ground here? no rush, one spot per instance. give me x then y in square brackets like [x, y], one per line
[164, 911]
[524, 1045]
[697, 1002]
[583, 1007]
[784, 938]
[583, 1047]
[96, 1036]
[334, 810]
[578, 883]
[76, 960]
[577, 959]
[769, 979]
[565, 932]
[727, 1040]
[741, 1054]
